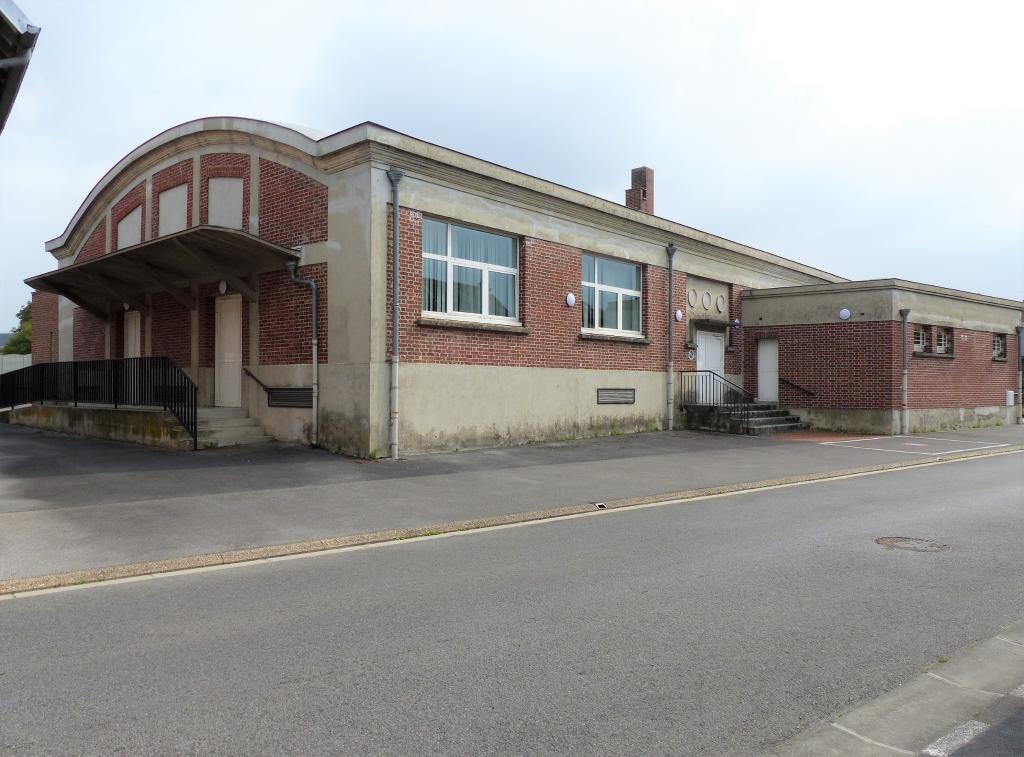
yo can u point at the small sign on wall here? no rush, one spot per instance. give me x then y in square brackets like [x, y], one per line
[691, 355]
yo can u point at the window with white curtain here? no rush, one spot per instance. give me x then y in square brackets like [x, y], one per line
[611, 296]
[468, 273]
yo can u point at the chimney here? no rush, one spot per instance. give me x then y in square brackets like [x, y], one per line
[640, 196]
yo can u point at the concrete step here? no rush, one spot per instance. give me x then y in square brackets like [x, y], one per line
[219, 423]
[229, 442]
[776, 428]
[222, 412]
[757, 413]
[771, 420]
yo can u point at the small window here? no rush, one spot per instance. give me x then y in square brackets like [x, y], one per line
[611, 296]
[129, 229]
[999, 346]
[920, 339]
[225, 203]
[468, 272]
[943, 340]
[173, 204]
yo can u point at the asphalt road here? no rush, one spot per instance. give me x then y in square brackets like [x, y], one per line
[717, 626]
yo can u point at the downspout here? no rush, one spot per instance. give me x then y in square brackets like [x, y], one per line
[905, 414]
[293, 267]
[670, 383]
[395, 177]
[1020, 373]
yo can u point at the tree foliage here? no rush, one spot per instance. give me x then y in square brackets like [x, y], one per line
[20, 342]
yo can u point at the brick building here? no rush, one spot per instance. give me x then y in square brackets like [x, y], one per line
[527, 310]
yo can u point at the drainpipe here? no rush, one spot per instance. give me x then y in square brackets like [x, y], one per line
[670, 383]
[905, 419]
[1020, 373]
[395, 176]
[293, 267]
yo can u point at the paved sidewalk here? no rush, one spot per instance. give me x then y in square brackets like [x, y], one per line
[970, 706]
[71, 504]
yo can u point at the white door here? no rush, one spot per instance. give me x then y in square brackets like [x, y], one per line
[132, 334]
[710, 357]
[228, 347]
[768, 370]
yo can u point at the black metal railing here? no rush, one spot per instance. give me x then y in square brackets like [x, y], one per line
[128, 382]
[709, 389]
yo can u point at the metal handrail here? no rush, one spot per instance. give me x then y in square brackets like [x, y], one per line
[710, 388]
[804, 389]
[131, 382]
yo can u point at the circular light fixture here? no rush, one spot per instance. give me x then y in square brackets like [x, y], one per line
[570, 299]
[844, 314]
[679, 315]
[127, 307]
[222, 287]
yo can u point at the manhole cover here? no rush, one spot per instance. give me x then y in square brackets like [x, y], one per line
[911, 543]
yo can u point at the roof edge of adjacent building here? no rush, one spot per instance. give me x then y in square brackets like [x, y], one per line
[306, 140]
[870, 285]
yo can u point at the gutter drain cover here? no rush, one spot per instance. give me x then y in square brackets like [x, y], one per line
[910, 543]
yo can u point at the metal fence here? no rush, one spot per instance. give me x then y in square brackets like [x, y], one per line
[130, 382]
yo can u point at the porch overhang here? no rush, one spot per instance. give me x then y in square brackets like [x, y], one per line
[170, 264]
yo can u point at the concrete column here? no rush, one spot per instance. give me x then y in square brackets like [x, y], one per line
[195, 191]
[254, 195]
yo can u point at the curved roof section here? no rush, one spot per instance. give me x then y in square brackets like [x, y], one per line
[313, 143]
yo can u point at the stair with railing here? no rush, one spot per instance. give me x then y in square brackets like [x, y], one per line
[711, 402]
[228, 427]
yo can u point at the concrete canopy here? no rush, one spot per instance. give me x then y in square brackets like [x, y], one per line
[17, 40]
[168, 264]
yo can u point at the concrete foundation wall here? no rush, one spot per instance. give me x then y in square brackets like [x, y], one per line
[153, 428]
[463, 406]
[921, 421]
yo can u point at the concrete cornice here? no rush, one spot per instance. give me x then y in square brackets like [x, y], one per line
[370, 141]
[875, 285]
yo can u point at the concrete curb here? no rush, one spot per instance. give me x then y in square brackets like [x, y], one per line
[12, 587]
[934, 713]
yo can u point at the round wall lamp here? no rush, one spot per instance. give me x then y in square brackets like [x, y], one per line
[222, 287]
[844, 314]
[679, 315]
[127, 307]
[570, 299]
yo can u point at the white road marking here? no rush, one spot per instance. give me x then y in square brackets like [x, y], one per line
[868, 439]
[915, 444]
[473, 531]
[866, 740]
[972, 449]
[951, 682]
[887, 449]
[958, 737]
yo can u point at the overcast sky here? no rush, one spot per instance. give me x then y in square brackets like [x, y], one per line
[870, 139]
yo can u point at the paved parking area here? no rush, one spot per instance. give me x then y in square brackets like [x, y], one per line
[71, 504]
[917, 445]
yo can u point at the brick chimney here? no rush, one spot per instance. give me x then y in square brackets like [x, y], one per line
[640, 196]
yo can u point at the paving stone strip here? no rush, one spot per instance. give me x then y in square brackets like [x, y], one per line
[12, 587]
[935, 713]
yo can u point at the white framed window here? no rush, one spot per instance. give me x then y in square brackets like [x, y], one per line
[611, 296]
[469, 273]
[999, 345]
[943, 340]
[920, 339]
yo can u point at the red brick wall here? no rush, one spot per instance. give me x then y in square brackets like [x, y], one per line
[849, 365]
[293, 207]
[222, 165]
[971, 378]
[124, 206]
[90, 336]
[170, 177]
[171, 330]
[547, 272]
[734, 354]
[207, 324]
[44, 327]
[95, 245]
[286, 326]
